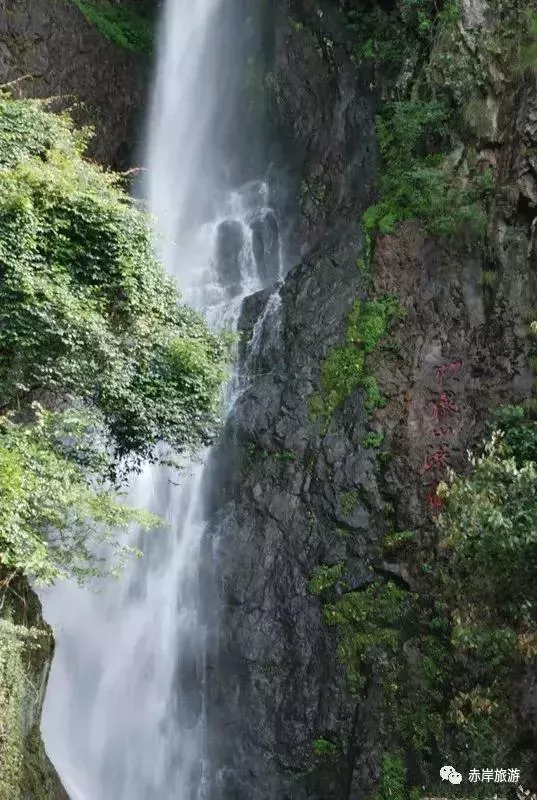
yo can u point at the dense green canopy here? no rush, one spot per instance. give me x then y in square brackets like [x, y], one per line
[88, 319]
[85, 309]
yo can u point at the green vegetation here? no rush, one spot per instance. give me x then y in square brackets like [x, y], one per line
[89, 324]
[11, 701]
[397, 540]
[349, 501]
[368, 621]
[345, 369]
[392, 778]
[439, 85]
[377, 32]
[448, 651]
[124, 25]
[489, 533]
[101, 367]
[325, 577]
[373, 439]
[18, 644]
[324, 748]
[284, 455]
[86, 310]
[418, 181]
[53, 517]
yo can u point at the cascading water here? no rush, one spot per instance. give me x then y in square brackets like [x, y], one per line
[124, 711]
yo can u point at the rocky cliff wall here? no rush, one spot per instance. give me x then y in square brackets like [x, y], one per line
[276, 683]
[27, 648]
[50, 50]
[308, 489]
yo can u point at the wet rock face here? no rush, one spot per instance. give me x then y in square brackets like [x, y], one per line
[461, 351]
[323, 101]
[274, 682]
[66, 58]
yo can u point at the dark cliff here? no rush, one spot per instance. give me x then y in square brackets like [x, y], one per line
[325, 467]
[50, 50]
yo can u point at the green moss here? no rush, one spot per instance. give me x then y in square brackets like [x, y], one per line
[373, 396]
[325, 577]
[349, 501]
[373, 439]
[344, 368]
[284, 455]
[343, 371]
[396, 540]
[324, 748]
[124, 25]
[392, 778]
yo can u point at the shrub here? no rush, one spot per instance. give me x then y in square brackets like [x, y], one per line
[369, 623]
[489, 526]
[86, 310]
[325, 577]
[324, 748]
[56, 512]
[123, 25]
[417, 181]
[344, 368]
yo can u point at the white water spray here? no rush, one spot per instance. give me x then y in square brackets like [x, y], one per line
[124, 713]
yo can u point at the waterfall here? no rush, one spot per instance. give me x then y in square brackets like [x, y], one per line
[124, 712]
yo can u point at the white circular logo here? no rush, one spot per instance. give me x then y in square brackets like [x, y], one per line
[450, 774]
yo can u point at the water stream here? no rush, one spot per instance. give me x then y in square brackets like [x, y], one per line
[124, 711]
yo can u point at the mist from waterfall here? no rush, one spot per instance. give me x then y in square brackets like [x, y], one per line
[124, 715]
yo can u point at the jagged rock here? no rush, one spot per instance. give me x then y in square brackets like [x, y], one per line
[397, 572]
